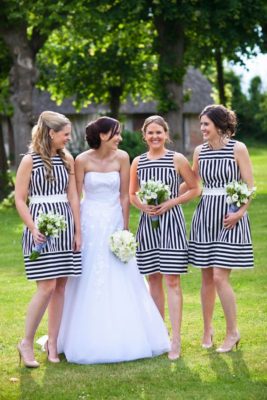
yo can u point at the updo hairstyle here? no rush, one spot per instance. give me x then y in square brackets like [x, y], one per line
[101, 125]
[225, 120]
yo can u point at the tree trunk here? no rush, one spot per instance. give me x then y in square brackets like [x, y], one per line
[220, 76]
[115, 101]
[3, 167]
[170, 43]
[23, 76]
[11, 142]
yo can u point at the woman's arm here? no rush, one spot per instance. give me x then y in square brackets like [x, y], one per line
[75, 205]
[243, 161]
[124, 187]
[79, 173]
[134, 187]
[21, 194]
[183, 187]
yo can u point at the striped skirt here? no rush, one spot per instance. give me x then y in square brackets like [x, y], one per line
[57, 258]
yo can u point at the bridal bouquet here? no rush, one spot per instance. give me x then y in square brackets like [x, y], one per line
[49, 225]
[238, 194]
[153, 193]
[123, 245]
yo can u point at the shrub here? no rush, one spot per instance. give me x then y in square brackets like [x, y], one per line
[133, 143]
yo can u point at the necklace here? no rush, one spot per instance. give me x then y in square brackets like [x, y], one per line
[218, 146]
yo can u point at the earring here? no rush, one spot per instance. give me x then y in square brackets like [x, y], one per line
[51, 137]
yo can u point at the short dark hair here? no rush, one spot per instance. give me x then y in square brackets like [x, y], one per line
[100, 125]
[223, 118]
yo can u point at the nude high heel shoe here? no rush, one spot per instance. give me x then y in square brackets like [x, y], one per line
[210, 344]
[51, 359]
[175, 351]
[234, 342]
[26, 361]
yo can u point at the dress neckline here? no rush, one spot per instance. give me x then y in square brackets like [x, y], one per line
[221, 148]
[101, 172]
[157, 159]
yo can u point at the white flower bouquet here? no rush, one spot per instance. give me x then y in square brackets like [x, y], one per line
[153, 193]
[238, 194]
[49, 225]
[123, 245]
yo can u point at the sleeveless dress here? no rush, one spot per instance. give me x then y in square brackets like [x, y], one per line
[57, 258]
[210, 244]
[164, 249]
[109, 315]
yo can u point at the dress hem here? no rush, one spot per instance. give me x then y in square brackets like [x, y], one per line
[54, 277]
[219, 266]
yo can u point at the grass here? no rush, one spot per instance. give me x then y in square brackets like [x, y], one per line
[199, 374]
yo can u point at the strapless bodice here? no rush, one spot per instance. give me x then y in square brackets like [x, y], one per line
[102, 187]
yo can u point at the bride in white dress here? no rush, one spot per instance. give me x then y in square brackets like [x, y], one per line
[108, 314]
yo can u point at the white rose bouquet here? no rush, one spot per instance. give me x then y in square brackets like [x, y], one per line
[153, 193]
[123, 245]
[49, 225]
[238, 194]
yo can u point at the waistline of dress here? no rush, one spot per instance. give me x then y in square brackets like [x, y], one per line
[52, 198]
[220, 191]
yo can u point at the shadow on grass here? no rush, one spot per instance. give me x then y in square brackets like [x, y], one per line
[220, 365]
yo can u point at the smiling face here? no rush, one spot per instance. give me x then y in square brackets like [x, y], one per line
[112, 142]
[61, 138]
[208, 129]
[155, 136]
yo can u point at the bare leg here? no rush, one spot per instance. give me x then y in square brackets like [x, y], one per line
[55, 309]
[157, 292]
[227, 298]
[208, 295]
[34, 315]
[175, 302]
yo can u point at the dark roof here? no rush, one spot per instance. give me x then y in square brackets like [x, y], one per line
[42, 101]
[200, 91]
[195, 85]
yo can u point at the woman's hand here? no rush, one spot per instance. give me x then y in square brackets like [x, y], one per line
[231, 219]
[149, 209]
[38, 237]
[165, 206]
[77, 242]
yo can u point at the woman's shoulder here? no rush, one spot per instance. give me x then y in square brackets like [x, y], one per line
[239, 147]
[84, 156]
[122, 154]
[27, 159]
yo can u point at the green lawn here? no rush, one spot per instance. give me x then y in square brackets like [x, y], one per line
[199, 374]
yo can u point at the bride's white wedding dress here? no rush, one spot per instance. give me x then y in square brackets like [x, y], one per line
[109, 315]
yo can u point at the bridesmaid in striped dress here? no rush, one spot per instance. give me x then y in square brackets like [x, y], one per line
[46, 177]
[163, 251]
[220, 241]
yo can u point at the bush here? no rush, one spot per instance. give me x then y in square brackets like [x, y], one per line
[6, 184]
[133, 143]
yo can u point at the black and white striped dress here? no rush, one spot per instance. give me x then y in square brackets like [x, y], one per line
[164, 249]
[210, 244]
[57, 259]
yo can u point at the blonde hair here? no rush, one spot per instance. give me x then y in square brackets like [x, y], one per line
[41, 140]
[157, 119]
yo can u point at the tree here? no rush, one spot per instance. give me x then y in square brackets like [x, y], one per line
[171, 21]
[6, 111]
[105, 65]
[228, 31]
[250, 108]
[25, 27]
